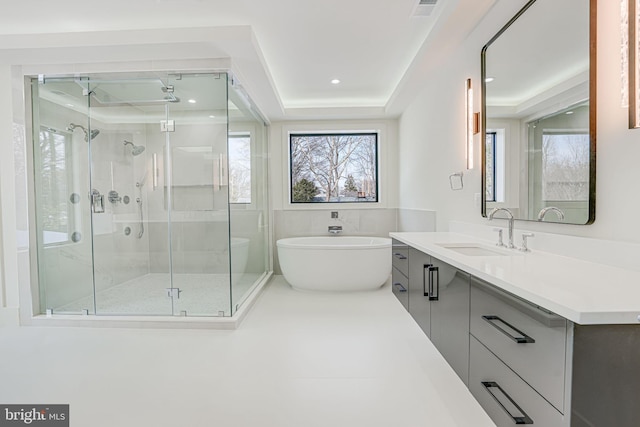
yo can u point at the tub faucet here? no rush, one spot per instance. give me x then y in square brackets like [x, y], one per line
[335, 229]
[544, 211]
[510, 219]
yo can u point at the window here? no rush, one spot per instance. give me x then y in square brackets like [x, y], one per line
[55, 212]
[490, 162]
[495, 169]
[565, 166]
[333, 168]
[240, 168]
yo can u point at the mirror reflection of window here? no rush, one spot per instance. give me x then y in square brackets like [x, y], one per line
[490, 166]
[495, 165]
[565, 166]
[559, 163]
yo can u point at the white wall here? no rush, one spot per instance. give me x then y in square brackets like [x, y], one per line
[388, 165]
[8, 242]
[356, 219]
[431, 134]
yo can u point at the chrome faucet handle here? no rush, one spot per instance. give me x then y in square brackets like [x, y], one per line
[335, 229]
[524, 247]
[500, 242]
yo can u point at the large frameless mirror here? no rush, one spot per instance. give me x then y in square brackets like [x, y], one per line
[538, 114]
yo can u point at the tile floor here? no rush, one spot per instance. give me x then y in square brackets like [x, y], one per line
[298, 360]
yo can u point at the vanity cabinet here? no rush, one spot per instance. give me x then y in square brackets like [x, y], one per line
[439, 303]
[419, 304]
[399, 272]
[518, 358]
[523, 363]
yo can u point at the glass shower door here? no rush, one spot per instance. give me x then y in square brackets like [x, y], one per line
[61, 202]
[197, 197]
[127, 144]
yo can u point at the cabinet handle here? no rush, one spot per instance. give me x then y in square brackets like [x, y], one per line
[434, 283]
[425, 274]
[400, 287]
[523, 339]
[399, 255]
[522, 418]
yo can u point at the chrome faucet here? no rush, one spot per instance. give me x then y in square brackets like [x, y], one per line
[510, 218]
[544, 211]
[335, 229]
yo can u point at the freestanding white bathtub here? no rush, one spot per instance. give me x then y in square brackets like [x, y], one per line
[335, 263]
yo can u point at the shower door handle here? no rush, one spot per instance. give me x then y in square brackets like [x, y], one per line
[97, 201]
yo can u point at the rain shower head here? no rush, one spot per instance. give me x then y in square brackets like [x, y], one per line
[135, 149]
[94, 132]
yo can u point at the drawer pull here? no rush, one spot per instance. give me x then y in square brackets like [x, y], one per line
[425, 274]
[523, 339]
[434, 283]
[400, 287]
[521, 417]
[399, 255]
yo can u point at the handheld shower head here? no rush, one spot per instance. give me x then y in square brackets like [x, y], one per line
[135, 149]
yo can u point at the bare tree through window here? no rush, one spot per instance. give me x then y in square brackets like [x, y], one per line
[54, 185]
[240, 169]
[334, 168]
[565, 166]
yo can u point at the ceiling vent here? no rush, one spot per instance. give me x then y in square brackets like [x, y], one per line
[424, 7]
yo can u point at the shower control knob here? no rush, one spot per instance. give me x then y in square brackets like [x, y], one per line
[114, 197]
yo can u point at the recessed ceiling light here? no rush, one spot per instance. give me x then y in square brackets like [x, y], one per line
[335, 81]
[69, 105]
[191, 101]
[488, 79]
[569, 112]
[212, 116]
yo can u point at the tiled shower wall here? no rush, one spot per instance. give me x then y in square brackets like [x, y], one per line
[354, 222]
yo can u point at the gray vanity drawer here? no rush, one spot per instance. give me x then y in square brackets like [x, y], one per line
[491, 381]
[532, 342]
[400, 252]
[400, 287]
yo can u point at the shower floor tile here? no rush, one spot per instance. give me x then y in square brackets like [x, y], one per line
[200, 295]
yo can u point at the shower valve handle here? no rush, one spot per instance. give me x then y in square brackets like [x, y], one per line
[97, 201]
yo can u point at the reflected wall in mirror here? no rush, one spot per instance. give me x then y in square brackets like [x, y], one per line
[538, 114]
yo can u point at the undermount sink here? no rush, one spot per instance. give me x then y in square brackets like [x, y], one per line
[472, 249]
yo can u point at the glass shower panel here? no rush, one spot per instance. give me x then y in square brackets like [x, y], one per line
[150, 194]
[198, 196]
[63, 223]
[130, 225]
[249, 214]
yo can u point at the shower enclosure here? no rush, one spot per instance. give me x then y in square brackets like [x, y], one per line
[149, 194]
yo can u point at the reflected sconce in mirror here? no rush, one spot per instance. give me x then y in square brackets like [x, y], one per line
[634, 64]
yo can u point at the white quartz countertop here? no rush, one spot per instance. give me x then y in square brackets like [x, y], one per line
[583, 292]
